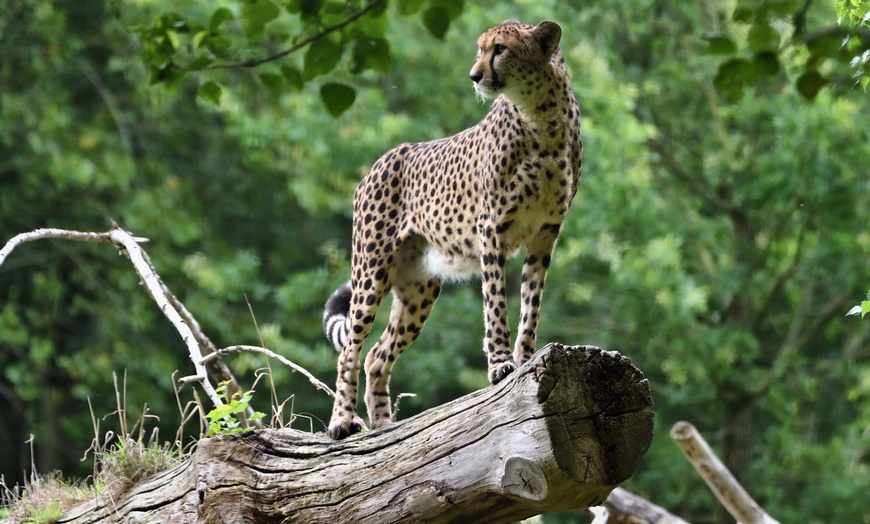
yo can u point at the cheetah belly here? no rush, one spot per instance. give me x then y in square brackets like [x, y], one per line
[450, 268]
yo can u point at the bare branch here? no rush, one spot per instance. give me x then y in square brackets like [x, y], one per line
[624, 507]
[152, 281]
[296, 47]
[721, 482]
[142, 265]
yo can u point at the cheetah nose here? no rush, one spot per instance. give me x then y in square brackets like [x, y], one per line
[476, 76]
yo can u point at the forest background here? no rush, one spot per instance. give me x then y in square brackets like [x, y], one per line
[718, 237]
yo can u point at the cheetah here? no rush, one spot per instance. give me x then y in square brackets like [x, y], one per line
[441, 211]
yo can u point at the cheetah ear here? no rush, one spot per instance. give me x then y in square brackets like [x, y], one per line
[510, 22]
[548, 34]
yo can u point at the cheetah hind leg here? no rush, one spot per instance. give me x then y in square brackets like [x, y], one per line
[412, 302]
[345, 421]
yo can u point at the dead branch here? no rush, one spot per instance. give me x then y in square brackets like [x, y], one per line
[721, 482]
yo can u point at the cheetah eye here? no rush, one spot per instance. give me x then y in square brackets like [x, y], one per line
[499, 49]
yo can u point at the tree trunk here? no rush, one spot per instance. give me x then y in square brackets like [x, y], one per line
[560, 433]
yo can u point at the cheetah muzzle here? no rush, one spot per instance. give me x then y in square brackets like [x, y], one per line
[440, 211]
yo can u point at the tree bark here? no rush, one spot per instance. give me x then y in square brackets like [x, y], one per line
[721, 482]
[560, 433]
[624, 507]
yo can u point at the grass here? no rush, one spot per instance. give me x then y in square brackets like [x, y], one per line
[122, 460]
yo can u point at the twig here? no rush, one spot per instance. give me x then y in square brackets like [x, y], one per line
[296, 47]
[216, 368]
[721, 482]
[256, 349]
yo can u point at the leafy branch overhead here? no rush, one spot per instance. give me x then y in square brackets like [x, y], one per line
[332, 36]
[767, 38]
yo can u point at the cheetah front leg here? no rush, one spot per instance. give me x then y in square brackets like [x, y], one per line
[535, 267]
[497, 337]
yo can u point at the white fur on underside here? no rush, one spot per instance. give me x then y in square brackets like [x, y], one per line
[449, 269]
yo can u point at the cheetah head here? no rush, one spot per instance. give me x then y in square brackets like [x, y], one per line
[508, 56]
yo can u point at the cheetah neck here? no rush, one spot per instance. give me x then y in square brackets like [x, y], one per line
[545, 103]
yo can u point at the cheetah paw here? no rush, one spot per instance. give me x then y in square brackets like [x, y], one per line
[501, 371]
[343, 428]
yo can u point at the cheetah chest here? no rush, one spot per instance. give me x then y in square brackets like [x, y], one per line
[536, 195]
[539, 196]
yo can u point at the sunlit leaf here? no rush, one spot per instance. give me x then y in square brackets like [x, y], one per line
[337, 98]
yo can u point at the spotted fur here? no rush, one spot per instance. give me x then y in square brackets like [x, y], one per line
[434, 212]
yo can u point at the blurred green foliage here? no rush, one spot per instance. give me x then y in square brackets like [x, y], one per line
[718, 238]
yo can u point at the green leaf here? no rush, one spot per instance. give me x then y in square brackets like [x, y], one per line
[828, 42]
[765, 64]
[310, 8]
[371, 53]
[220, 16]
[409, 7]
[719, 44]
[200, 63]
[454, 7]
[731, 78]
[810, 83]
[322, 57]
[272, 81]
[210, 92]
[762, 37]
[218, 45]
[372, 25]
[256, 15]
[337, 98]
[294, 77]
[436, 20]
[167, 73]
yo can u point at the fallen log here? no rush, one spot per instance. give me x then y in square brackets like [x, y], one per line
[560, 433]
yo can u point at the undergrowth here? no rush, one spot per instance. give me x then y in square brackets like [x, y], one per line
[125, 458]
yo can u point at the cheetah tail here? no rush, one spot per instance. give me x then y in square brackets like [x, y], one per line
[335, 316]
